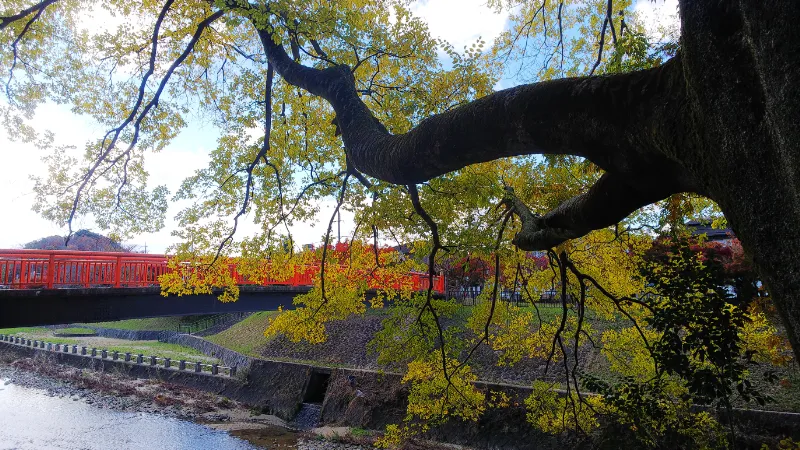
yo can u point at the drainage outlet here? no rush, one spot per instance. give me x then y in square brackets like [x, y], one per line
[317, 386]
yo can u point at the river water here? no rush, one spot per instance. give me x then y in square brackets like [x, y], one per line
[31, 419]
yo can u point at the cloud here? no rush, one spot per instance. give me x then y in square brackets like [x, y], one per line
[19, 162]
[660, 17]
[460, 22]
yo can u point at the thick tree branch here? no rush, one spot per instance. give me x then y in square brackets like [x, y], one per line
[623, 123]
[609, 200]
[37, 8]
[618, 122]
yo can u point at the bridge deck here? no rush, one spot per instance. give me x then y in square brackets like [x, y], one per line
[28, 307]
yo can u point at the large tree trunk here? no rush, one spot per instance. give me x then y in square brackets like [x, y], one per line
[742, 65]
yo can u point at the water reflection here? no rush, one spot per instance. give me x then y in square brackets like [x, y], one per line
[30, 419]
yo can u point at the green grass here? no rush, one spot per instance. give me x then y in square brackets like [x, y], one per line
[19, 330]
[147, 348]
[247, 336]
[74, 330]
[156, 348]
[360, 432]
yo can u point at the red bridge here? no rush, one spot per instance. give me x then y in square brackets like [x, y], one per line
[57, 269]
[62, 286]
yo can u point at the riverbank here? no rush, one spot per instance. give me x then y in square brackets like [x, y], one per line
[120, 393]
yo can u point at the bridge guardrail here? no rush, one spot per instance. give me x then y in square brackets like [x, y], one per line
[136, 359]
[52, 269]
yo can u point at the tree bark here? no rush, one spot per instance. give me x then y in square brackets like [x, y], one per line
[742, 64]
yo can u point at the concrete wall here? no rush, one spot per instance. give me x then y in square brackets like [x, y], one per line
[227, 356]
[134, 335]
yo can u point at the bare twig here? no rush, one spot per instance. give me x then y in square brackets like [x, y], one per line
[14, 50]
[115, 133]
[262, 153]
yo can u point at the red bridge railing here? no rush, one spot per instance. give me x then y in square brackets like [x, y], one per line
[55, 269]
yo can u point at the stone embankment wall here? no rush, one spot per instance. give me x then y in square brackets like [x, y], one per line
[373, 400]
[230, 320]
[227, 356]
[134, 335]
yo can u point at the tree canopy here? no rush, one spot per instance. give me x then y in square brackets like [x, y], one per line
[618, 138]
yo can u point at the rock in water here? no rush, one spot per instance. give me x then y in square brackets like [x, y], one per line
[308, 417]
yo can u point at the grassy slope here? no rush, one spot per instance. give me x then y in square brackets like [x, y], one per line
[247, 336]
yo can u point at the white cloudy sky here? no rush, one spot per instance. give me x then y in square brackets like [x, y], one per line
[460, 22]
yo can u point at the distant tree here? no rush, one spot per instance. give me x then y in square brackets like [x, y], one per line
[467, 271]
[726, 263]
[82, 240]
